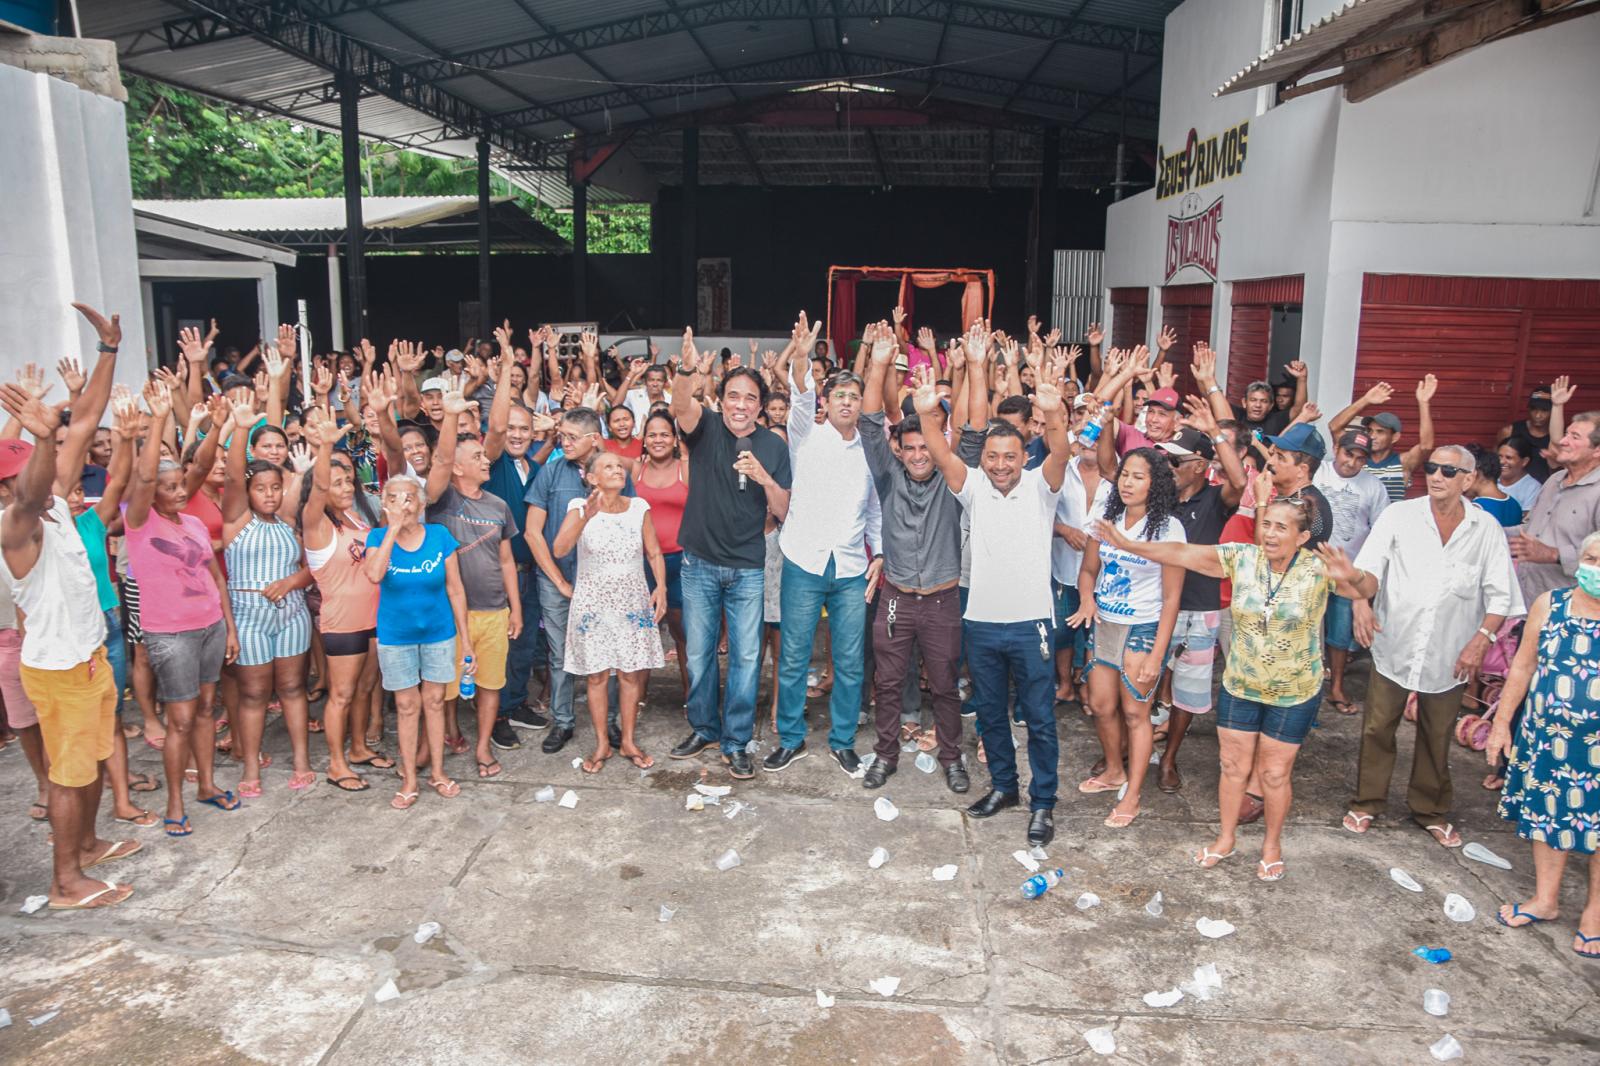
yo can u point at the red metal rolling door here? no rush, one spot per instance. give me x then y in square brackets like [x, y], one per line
[1130, 316]
[1250, 336]
[1187, 310]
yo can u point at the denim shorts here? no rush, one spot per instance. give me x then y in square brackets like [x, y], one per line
[1340, 620]
[1066, 601]
[182, 662]
[674, 568]
[406, 666]
[1288, 725]
[1113, 640]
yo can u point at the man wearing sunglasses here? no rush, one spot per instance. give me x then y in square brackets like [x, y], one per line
[1438, 576]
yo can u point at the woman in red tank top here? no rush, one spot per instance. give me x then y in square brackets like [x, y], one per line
[661, 478]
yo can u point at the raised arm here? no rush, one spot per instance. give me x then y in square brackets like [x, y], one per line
[925, 398]
[444, 453]
[1376, 396]
[280, 366]
[315, 528]
[88, 407]
[124, 431]
[1300, 372]
[1561, 392]
[20, 529]
[686, 410]
[405, 358]
[1420, 451]
[1201, 558]
[494, 440]
[205, 456]
[378, 391]
[1202, 417]
[235, 492]
[1047, 397]
[158, 398]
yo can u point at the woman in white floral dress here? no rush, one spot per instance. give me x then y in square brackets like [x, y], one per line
[613, 623]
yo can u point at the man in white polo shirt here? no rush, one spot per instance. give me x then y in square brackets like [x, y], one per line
[1009, 618]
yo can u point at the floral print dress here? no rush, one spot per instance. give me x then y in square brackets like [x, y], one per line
[610, 625]
[1552, 789]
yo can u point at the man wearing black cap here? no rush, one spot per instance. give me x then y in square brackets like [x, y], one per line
[1357, 498]
[1535, 429]
[1394, 469]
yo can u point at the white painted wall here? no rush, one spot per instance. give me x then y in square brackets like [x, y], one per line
[1487, 165]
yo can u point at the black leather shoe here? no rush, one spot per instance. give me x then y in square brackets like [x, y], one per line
[780, 757]
[690, 746]
[556, 739]
[878, 773]
[614, 734]
[1041, 828]
[847, 759]
[955, 775]
[739, 765]
[992, 804]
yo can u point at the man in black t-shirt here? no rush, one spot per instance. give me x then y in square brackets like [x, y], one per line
[1203, 509]
[1535, 429]
[738, 472]
[1293, 460]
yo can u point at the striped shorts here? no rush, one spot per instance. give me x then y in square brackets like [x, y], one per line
[1194, 650]
[268, 630]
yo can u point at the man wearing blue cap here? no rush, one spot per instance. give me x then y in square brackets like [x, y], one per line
[1292, 460]
[1394, 469]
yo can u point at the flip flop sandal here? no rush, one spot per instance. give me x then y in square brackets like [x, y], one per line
[1443, 834]
[129, 732]
[314, 725]
[143, 783]
[119, 849]
[1257, 807]
[316, 694]
[447, 789]
[1463, 729]
[1587, 940]
[226, 801]
[155, 743]
[927, 740]
[1119, 821]
[144, 820]
[87, 903]
[42, 816]
[299, 781]
[249, 790]
[490, 769]
[182, 824]
[909, 732]
[378, 761]
[1342, 706]
[456, 745]
[1356, 822]
[339, 783]
[641, 760]
[403, 801]
[1264, 871]
[1205, 858]
[1518, 912]
[1093, 786]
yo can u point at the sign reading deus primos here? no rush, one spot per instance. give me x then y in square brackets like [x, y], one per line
[1202, 162]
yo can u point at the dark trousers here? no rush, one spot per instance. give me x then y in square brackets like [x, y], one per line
[527, 652]
[999, 654]
[931, 624]
[1430, 794]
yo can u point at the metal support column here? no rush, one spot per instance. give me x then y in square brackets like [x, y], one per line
[580, 250]
[1121, 184]
[485, 318]
[355, 302]
[688, 251]
[1041, 273]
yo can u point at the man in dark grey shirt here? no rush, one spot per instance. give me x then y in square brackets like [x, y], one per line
[920, 603]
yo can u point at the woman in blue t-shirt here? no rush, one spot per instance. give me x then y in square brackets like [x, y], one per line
[422, 606]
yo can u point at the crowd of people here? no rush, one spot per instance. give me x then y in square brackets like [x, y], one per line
[368, 546]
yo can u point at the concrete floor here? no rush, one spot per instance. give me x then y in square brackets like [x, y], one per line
[264, 936]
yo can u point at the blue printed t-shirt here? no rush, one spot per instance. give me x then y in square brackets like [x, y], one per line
[413, 606]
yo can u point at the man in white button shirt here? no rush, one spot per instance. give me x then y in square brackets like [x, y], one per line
[1439, 576]
[833, 513]
[1357, 497]
[1009, 618]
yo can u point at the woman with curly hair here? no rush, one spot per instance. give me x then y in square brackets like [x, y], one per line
[1134, 607]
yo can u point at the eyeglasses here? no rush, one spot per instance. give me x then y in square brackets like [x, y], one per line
[1431, 468]
[569, 438]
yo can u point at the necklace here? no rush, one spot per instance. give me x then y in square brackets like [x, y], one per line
[1273, 590]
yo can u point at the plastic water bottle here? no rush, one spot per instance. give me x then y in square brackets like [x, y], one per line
[469, 679]
[1040, 883]
[1089, 435]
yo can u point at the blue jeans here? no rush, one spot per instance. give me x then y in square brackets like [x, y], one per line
[1340, 620]
[553, 610]
[117, 652]
[804, 595]
[526, 652]
[1067, 602]
[1000, 653]
[710, 590]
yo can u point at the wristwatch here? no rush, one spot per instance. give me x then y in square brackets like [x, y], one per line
[1486, 635]
[1220, 438]
[104, 347]
[1213, 388]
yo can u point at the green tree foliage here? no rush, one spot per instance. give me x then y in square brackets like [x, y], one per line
[182, 146]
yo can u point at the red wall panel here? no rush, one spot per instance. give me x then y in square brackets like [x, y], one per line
[1130, 317]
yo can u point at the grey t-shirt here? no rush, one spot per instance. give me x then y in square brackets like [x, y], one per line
[479, 525]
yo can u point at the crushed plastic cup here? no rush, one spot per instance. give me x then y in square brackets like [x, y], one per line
[1087, 900]
[41, 1019]
[885, 809]
[569, 799]
[946, 873]
[1207, 976]
[426, 932]
[1162, 999]
[867, 760]
[1436, 956]
[753, 747]
[713, 790]
[813, 679]
[1153, 908]
[1478, 853]
[823, 999]
[5, 1018]
[1403, 879]
[1446, 1048]
[884, 986]
[547, 794]
[908, 747]
[728, 860]
[33, 903]
[1029, 863]
[926, 762]
[1214, 928]
[734, 807]
[666, 913]
[694, 802]
[577, 762]
[387, 992]
[1458, 909]
[878, 858]
[1436, 1002]
[1101, 1041]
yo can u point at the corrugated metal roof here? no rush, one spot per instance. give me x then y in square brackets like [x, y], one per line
[1317, 48]
[309, 213]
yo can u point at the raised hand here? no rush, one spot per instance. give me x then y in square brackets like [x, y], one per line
[288, 345]
[108, 330]
[191, 346]
[274, 362]
[125, 417]
[1562, 391]
[300, 457]
[688, 354]
[978, 342]
[1052, 338]
[804, 335]
[407, 356]
[1297, 369]
[1430, 385]
[244, 410]
[1379, 394]
[1200, 416]
[925, 340]
[1337, 564]
[1165, 376]
[924, 391]
[588, 346]
[1204, 364]
[455, 401]
[1047, 398]
[955, 354]
[158, 398]
[368, 354]
[321, 382]
[898, 314]
[1166, 338]
[31, 379]
[35, 416]
[1094, 335]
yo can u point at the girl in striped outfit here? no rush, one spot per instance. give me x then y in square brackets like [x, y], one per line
[267, 589]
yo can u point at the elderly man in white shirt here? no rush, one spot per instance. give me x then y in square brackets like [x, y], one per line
[1357, 497]
[833, 514]
[1438, 574]
[1010, 613]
